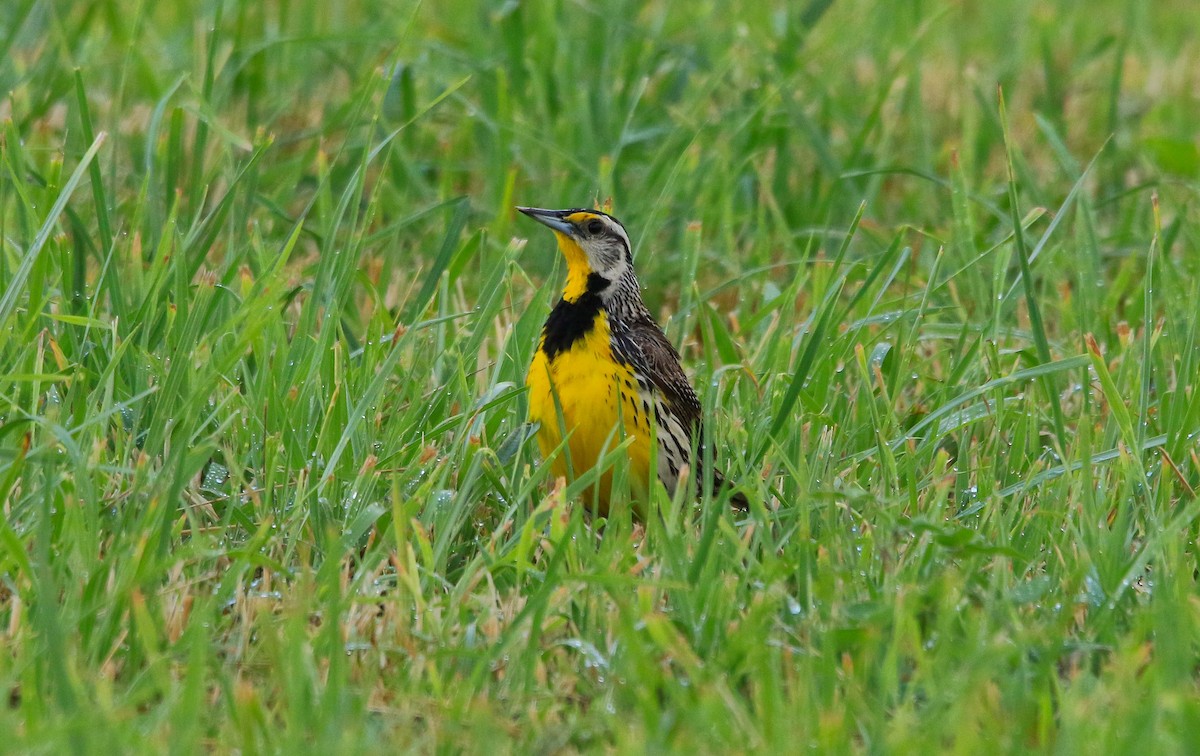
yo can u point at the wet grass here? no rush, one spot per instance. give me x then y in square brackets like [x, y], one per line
[266, 314]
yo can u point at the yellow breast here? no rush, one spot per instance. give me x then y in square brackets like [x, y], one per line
[601, 406]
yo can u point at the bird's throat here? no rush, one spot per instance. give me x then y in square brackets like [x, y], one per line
[578, 268]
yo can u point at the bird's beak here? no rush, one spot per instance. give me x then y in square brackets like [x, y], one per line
[551, 218]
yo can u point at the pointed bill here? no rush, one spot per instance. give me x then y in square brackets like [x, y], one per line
[551, 218]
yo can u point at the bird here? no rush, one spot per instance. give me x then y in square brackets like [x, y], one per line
[604, 372]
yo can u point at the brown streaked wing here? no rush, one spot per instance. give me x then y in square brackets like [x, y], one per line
[664, 371]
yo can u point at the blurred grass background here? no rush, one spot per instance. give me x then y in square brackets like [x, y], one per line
[266, 313]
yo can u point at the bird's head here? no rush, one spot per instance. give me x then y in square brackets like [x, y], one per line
[596, 248]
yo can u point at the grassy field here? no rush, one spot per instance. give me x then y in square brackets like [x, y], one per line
[266, 312]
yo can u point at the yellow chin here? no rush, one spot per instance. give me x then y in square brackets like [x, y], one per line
[578, 268]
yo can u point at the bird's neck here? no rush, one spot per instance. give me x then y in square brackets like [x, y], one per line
[578, 269]
[625, 303]
[622, 297]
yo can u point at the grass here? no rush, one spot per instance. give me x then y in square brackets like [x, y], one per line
[266, 313]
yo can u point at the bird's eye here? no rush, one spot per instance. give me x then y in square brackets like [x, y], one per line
[595, 227]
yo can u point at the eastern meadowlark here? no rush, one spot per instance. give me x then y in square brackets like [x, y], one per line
[604, 370]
